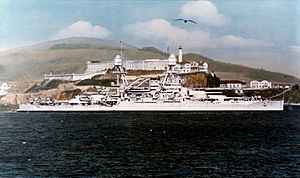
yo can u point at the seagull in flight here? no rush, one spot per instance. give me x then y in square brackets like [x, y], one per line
[186, 20]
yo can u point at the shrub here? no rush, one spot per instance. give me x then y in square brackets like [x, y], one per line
[104, 82]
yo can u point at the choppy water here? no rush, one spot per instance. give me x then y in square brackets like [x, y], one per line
[151, 144]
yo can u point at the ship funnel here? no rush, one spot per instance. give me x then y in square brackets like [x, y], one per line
[118, 60]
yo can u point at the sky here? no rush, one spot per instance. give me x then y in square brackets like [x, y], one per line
[256, 33]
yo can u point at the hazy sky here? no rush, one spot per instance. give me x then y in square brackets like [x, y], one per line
[264, 34]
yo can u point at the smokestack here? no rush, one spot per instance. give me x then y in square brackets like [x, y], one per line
[180, 54]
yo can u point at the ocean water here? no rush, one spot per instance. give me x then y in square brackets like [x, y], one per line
[229, 144]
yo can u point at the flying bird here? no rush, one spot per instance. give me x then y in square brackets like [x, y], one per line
[186, 20]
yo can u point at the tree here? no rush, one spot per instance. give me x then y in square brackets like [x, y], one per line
[213, 80]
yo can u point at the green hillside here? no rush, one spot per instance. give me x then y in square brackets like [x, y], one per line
[2, 70]
[63, 56]
[71, 46]
[154, 50]
[252, 73]
[70, 56]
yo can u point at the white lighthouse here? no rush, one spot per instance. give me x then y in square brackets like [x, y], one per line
[180, 54]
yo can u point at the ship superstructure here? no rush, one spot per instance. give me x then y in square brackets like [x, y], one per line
[164, 93]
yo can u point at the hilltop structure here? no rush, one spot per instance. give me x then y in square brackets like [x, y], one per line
[260, 84]
[151, 64]
[4, 88]
[232, 84]
[100, 67]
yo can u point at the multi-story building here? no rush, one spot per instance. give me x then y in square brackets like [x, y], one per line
[260, 84]
[99, 67]
[151, 64]
[232, 84]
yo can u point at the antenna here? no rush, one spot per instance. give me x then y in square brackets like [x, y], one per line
[167, 52]
[121, 49]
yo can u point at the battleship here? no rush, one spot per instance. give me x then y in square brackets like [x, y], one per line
[164, 93]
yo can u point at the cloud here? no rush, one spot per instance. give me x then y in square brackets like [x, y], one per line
[162, 31]
[3, 49]
[205, 12]
[231, 41]
[82, 29]
[157, 28]
[295, 49]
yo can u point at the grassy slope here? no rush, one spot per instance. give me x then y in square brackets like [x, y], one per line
[252, 73]
[33, 65]
[2, 69]
[63, 58]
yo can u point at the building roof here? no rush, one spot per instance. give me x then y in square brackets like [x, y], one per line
[183, 62]
[259, 81]
[94, 61]
[232, 81]
[281, 84]
[201, 62]
[154, 60]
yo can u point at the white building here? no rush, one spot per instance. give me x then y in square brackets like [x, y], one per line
[187, 67]
[99, 67]
[151, 64]
[260, 84]
[147, 64]
[281, 85]
[232, 84]
[3, 89]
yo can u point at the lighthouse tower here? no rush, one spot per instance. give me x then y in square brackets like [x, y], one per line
[180, 54]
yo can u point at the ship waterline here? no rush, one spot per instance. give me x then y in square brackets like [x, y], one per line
[171, 107]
